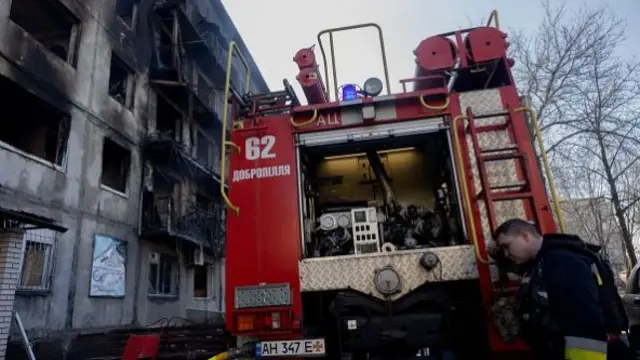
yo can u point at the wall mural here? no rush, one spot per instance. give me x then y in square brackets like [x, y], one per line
[108, 271]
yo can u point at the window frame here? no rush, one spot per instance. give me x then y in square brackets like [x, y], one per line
[156, 289]
[49, 242]
[62, 12]
[129, 82]
[208, 282]
[126, 167]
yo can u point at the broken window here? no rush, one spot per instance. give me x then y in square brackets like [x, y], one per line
[166, 192]
[203, 150]
[200, 281]
[168, 120]
[51, 24]
[218, 103]
[121, 79]
[115, 165]
[32, 125]
[205, 90]
[205, 203]
[37, 263]
[215, 210]
[163, 274]
[127, 10]
[166, 48]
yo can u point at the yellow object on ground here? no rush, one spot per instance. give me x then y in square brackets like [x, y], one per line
[221, 356]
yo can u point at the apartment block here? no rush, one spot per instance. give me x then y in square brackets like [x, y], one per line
[110, 154]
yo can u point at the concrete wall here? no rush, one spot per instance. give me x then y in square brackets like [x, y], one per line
[155, 308]
[71, 194]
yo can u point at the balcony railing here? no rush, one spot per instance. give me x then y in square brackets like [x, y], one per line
[211, 99]
[163, 216]
[166, 152]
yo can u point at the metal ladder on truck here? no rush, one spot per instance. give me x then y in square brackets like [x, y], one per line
[531, 189]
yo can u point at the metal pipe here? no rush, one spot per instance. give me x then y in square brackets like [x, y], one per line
[383, 178]
[333, 67]
[454, 76]
[456, 180]
[301, 199]
[352, 27]
[225, 116]
[494, 17]
[545, 162]
[464, 189]
[23, 336]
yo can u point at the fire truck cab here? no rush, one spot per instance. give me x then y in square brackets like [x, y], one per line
[357, 225]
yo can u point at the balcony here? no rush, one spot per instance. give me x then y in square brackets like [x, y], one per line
[188, 50]
[163, 218]
[165, 152]
[209, 102]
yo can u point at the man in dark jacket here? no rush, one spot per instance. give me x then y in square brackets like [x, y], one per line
[558, 301]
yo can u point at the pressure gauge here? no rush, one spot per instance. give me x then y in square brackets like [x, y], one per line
[344, 220]
[387, 281]
[328, 222]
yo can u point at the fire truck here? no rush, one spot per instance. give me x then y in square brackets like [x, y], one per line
[358, 225]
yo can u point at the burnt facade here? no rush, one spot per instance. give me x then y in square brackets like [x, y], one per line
[113, 112]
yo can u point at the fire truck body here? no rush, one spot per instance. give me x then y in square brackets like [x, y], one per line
[358, 227]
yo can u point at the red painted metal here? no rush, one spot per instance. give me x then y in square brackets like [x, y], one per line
[312, 86]
[263, 239]
[486, 43]
[141, 347]
[484, 272]
[540, 210]
[521, 135]
[305, 58]
[433, 56]
[309, 76]
[436, 53]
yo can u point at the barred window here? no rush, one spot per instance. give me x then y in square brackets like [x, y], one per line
[37, 260]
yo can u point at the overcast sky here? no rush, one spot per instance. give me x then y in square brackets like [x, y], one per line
[274, 30]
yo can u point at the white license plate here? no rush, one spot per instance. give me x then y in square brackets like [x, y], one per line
[305, 347]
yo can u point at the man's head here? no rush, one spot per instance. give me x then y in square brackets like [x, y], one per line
[518, 239]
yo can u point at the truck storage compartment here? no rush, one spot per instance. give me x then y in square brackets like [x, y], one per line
[389, 194]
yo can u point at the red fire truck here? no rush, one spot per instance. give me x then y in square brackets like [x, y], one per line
[357, 225]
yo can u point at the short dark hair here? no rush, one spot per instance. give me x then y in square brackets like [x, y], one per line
[513, 226]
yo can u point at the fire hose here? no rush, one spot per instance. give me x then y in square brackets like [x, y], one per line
[235, 353]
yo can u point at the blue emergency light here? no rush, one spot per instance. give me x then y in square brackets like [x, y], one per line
[349, 92]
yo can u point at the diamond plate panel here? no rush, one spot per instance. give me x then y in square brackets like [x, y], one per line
[502, 172]
[262, 295]
[357, 272]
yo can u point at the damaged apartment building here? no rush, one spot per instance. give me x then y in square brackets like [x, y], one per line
[109, 149]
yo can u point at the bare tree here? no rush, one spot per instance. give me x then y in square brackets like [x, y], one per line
[590, 214]
[588, 101]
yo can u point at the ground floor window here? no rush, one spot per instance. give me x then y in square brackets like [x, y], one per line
[37, 263]
[163, 274]
[201, 279]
